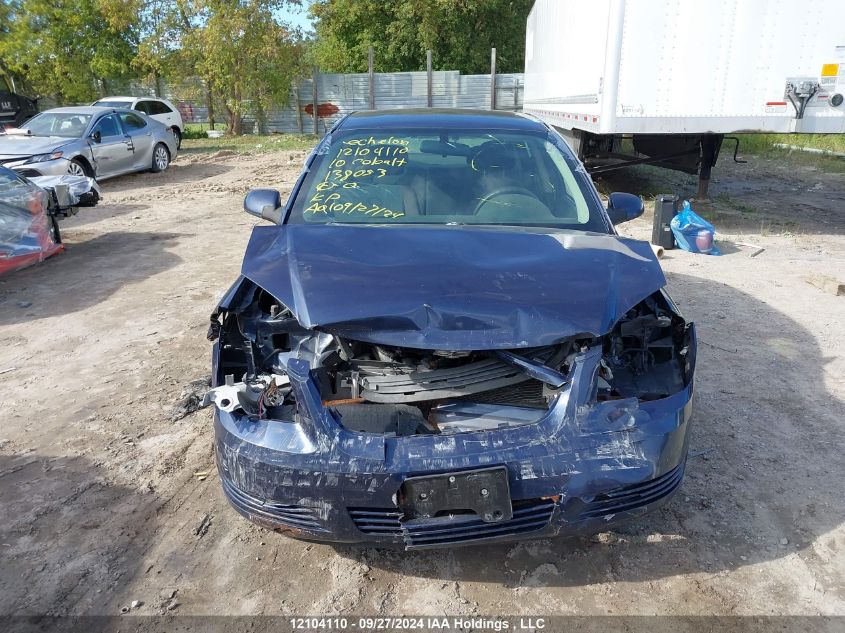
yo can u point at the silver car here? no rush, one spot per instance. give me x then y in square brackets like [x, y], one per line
[88, 141]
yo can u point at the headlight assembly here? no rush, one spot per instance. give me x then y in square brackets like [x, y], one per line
[43, 158]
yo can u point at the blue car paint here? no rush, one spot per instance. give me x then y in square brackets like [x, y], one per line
[452, 288]
[574, 454]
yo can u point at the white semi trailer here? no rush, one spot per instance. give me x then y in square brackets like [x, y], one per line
[676, 76]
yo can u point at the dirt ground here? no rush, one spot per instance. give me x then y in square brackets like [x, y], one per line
[101, 504]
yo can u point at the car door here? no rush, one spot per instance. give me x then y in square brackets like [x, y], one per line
[140, 131]
[113, 151]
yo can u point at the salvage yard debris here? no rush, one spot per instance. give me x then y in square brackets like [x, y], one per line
[755, 249]
[190, 399]
[203, 526]
[826, 283]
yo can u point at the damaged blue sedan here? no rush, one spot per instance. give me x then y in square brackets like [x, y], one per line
[441, 340]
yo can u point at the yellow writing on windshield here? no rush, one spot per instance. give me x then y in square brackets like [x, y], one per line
[333, 204]
[355, 183]
[390, 140]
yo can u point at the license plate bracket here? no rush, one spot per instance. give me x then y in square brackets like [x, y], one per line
[484, 491]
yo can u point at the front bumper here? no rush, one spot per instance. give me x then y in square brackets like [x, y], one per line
[57, 167]
[582, 468]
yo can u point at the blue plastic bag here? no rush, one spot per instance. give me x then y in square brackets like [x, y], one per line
[693, 233]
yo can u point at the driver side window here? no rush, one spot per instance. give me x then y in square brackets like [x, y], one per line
[107, 126]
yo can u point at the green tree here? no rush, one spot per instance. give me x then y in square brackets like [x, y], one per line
[460, 34]
[244, 55]
[70, 49]
[7, 9]
[247, 55]
[161, 28]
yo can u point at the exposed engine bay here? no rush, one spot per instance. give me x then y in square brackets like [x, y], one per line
[403, 391]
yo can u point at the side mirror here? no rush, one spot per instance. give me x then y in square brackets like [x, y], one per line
[265, 204]
[97, 137]
[622, 207]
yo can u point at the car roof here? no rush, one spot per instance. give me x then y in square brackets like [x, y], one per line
[440, 118]
[82, 109]
[130, 99]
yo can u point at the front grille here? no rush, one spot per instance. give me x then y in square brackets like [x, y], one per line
[528, 516]
[294, 516]
[634, 496]
[379, 522]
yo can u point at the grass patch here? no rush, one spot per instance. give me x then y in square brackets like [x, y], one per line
[250, 143]
[765, 143]
[197, 130]
[765, 146]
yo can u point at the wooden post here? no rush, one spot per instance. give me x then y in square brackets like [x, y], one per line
[315, 72]
[371, 77]
[428, 78]
[492, 78]
[515, 94]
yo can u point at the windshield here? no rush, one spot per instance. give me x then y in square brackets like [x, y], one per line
[65, 124]
[4, 85]
[482, 177]
[112, 104]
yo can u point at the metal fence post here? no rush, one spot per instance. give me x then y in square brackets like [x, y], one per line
[428, 78]
[372, 78]
[492, 78]
[298, 105]
[314, 74]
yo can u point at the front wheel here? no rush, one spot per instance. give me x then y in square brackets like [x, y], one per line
[161, 158]
[76, 167]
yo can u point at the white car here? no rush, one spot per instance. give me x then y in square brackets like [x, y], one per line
[159, 109]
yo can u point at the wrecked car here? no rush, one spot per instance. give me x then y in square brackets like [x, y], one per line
[441, 340]
[30, 210]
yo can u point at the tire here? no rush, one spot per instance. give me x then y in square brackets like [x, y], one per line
[77, 168]
[178, 136]
[161, 158]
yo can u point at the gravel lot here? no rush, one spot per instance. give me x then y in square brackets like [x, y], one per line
[102, 505]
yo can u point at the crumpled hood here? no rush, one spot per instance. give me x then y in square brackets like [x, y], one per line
[14, 145]
[452, 287]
